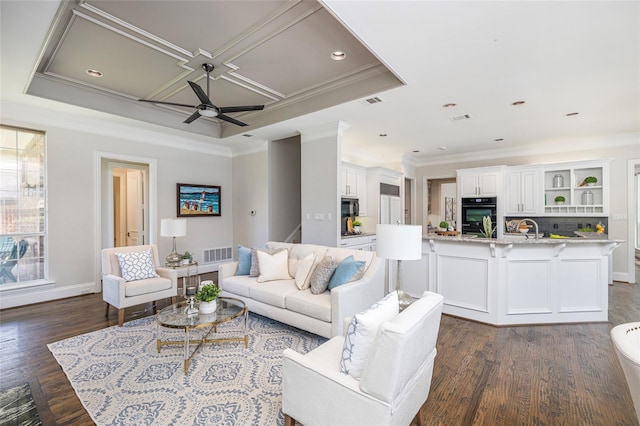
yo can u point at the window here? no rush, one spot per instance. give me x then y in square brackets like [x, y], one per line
[22, 206]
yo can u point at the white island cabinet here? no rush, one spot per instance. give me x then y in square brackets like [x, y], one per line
[510, 282]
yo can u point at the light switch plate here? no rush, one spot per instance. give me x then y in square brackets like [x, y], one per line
[618, 216]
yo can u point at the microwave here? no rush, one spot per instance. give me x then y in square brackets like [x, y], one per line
[350, 208]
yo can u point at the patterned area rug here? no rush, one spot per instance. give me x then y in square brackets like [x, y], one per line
[121, 378]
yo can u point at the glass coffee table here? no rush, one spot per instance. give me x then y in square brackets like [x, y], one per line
[175, 316]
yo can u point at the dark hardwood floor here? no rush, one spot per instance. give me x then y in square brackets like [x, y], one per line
[483, 375]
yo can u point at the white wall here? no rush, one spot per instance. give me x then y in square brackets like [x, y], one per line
[619, 148]
[250, 193]
[72, 181]
[320, 164]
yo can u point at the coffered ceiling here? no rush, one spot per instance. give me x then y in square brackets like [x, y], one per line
[272, 53]
[513, 73]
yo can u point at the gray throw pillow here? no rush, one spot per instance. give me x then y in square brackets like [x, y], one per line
[322, 274]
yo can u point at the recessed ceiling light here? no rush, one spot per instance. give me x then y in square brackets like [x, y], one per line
[498, 140]
[383, 135]
[94, 73]
[448, 105]
[516, 103]
[338, 55]
[442, 148]
[572, 113]
[416, 151]
[247, 135]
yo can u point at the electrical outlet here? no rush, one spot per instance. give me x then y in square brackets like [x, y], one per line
[318, 216]
[555, 226]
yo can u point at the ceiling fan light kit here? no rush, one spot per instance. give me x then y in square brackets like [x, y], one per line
[206, 107]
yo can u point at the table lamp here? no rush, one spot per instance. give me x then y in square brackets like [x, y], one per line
[399, 242]
[173, 228]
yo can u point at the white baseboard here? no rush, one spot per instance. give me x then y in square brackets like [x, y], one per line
[43, 293]
[621, 276]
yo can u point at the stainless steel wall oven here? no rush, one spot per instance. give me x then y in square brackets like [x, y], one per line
[474, 209]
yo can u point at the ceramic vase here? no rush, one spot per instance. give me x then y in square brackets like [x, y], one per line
[208, 307]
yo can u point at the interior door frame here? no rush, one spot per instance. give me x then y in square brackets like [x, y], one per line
[104, 210]
[632, 217]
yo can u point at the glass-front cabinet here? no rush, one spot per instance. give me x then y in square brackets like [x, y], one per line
[577, 188]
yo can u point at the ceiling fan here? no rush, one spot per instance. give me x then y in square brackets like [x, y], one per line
[206, 107]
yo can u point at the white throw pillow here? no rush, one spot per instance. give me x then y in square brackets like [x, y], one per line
[137, 265]
[362, 331]
[273, 266]
[305, 269]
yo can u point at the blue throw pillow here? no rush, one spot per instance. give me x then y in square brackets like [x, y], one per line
[345, 271]
[244, 260]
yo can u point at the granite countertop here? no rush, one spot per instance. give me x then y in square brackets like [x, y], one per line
[476, 240]
[362, 234]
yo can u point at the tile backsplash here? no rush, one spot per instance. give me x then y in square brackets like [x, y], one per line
[564, 225]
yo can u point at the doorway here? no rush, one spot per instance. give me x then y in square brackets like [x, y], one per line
[130, 216]
[105, 201]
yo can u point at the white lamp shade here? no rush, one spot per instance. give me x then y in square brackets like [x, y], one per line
[399, 242]
[173, 227]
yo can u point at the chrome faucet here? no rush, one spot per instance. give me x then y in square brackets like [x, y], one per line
[534, 224]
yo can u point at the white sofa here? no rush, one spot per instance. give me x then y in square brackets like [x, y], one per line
[321, 314]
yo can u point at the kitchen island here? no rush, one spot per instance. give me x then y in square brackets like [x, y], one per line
[515, 281]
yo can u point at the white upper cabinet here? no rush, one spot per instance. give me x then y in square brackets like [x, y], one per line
[522, 193]
[580, 188]
[485, 182]
[353, 184]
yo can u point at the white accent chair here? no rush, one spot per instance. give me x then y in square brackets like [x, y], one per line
[122, 294]
[394, 384]
[626, 341]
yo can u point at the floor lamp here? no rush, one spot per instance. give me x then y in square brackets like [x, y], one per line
[399, 242]
[173, 228]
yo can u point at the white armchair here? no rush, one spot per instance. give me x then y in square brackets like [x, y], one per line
[626, 341]
[394, 384]
[121, 294]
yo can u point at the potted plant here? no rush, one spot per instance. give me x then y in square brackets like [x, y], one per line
[356, 226]
[559, 200]
[487, 227]
[444, 225]
[208, 297]
[590, 180]
[186, 258]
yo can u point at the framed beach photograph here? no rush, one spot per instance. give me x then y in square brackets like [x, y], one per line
[198, 200]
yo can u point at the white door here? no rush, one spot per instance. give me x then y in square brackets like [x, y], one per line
[395, 209]
[384, 209]
[135, 208]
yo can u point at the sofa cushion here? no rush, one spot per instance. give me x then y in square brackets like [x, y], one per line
[273, 293]
[316, 306]
[304, 271]
[150, 285]
[244, 260]
[273, 266]
[361, 334]
[300, 251]
[137, 265]
[347, 270]
[322, 274]
[255, 264]
[339, 254]
[238, 284]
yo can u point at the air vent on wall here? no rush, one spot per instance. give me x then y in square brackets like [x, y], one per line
[372, 100]
[460, 117]
[216, 255]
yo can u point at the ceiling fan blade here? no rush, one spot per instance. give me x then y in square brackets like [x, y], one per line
[241, 108]
[231, 120]
[167, 103]
[200, 93]
[192, 117]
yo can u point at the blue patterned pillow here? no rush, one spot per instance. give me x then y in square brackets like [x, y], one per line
[137, 265]
[361, 334]
[345, 271]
